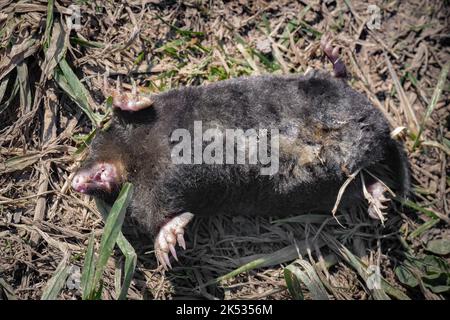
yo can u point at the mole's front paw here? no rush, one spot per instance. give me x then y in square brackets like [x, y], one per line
[168, 236]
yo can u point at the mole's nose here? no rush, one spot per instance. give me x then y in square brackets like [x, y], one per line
[79, 183]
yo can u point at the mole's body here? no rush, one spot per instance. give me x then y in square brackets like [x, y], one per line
[327, 131]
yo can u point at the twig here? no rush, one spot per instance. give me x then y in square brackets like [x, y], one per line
[341, 192]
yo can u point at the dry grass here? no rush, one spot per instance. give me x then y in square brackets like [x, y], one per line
[166, 44]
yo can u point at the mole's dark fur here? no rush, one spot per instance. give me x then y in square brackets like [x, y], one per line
[327, 131]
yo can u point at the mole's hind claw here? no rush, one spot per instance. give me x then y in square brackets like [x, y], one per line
[181, 242]
[126, 101]
[374, 195]
[333, 55]
[173, 251]
[168, 236]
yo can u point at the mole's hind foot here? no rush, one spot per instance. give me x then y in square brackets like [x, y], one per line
[168, 236]
[333, 55]
[127, 101]
[375, 195]
[130, 102]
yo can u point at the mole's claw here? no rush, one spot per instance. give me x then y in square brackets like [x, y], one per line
[128, 101]
[160, 259]
[335, 52]
[173, 251]
[165, 256]
[181, 241]
[373, 213]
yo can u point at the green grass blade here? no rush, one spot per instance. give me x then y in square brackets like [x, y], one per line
[363, 271]
[49, 22]
[182, 32]
[112, 229]
[417, 207]
[7, 290]
[423, 227]
[305, 273]
[69, 82]
[286, 254]
[58, 280]
[130, 264]
[85, 141]
[305, 219]
[117, 278]
[386, 289]
[293, 284]
[87, 43]
[127, 250]
[434, 100]
[87, 277]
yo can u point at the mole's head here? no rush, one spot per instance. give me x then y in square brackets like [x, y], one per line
[100, 178]
[105, 169]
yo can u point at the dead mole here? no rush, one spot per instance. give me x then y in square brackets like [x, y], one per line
[304, 137]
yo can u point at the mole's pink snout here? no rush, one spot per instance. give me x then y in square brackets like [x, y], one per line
[79, 182]
[101, 176]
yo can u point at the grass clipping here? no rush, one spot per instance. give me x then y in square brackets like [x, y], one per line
[91, 279]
